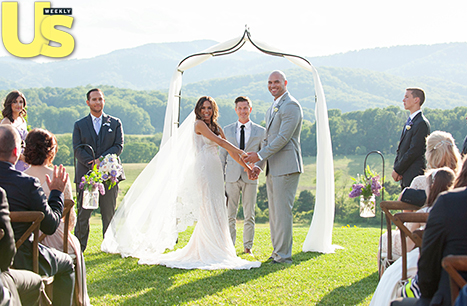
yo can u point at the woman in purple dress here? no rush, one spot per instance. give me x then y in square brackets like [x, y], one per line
[14, 111]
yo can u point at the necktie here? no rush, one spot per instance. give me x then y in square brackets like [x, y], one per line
[242, 137]
[407, 123]
[97, 125]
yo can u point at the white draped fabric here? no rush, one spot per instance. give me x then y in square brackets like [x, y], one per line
[319, 238]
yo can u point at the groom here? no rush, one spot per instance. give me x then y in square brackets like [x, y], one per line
[282, 152]
[104, 134]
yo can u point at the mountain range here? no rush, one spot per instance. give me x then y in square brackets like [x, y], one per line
[352, 81]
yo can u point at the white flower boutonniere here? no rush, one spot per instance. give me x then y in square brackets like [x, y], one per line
[107, 123]
[276, 109]
[408, 127]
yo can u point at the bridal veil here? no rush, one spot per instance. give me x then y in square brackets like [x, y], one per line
[162, 201]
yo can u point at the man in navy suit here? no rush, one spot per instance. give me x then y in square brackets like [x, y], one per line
[410, 159]
[104, 134]
[21, 286]
[24, 193]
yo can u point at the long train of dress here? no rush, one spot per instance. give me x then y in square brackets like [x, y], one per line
[171, 197]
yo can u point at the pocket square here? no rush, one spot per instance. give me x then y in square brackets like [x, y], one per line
[110, 130]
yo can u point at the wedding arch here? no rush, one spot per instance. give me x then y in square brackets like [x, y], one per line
[319, 237]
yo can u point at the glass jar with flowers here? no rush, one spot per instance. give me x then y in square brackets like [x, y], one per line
[91, 183]
[367, 187]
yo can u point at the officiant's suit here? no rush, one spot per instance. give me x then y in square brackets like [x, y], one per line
[410, 158]
[282, 152]
[236, 182]
[108, 141]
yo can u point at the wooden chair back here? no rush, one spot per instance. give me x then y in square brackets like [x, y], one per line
[386, 207]
[416, 237]
[68, 206]
[35, 218]
[453, 264]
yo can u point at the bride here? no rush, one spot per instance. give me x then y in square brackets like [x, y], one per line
[182, 184]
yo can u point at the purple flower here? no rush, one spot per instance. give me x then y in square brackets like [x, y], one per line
[356, 190]
[81, 185]
[105, 177]
[113, 173]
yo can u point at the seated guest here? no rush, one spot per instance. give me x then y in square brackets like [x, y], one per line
[16, 286]
[388, 285]
[24, 193]
[444, 235]
[41, 147]
[441, 151]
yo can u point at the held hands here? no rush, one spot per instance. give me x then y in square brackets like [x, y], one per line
[253, 173]
[59, 179]
[251, 157]
[396, 176]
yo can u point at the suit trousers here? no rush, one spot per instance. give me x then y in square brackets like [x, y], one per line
[107, 204]
[281, 195]
[249, 193]
[23, 285]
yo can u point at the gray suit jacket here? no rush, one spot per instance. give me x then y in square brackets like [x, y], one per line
[234, 171]
[281, 147]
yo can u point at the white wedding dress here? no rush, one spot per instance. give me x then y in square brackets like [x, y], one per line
[183, 183]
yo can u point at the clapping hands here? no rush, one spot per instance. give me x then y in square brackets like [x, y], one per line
[59, 179]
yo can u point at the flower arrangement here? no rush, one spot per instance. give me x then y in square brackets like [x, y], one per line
[366, 187]
[110, 169]
[92, 180]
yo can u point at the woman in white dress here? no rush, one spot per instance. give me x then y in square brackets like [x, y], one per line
[182, 184]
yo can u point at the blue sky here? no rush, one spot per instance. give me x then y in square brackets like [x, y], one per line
[307, 28]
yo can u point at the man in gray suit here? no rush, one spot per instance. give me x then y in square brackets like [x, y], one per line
[104, 134]
[282, 152]
[248, 135]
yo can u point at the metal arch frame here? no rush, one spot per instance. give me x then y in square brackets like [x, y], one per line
[239, 45]
[235, 48]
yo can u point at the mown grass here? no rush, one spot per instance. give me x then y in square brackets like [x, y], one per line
[347, 277]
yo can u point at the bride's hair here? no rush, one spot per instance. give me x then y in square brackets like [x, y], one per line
[213, 125]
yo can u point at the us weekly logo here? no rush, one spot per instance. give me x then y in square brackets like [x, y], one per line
[48, 40]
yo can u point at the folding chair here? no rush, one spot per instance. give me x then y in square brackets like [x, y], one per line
[386, 206]
[35, 218]
[69, 205]
[453, 264]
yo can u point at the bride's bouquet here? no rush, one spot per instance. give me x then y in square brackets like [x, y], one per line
[110, 169]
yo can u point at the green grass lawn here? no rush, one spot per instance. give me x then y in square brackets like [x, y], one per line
[347, 277]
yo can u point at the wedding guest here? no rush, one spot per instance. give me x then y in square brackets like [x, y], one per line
[444, 235]
[104, 134]
[41, 148]
[16, 286]
[441, 151]
[390, 281]
[24, 193]
[14, 112]
[410, 157]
